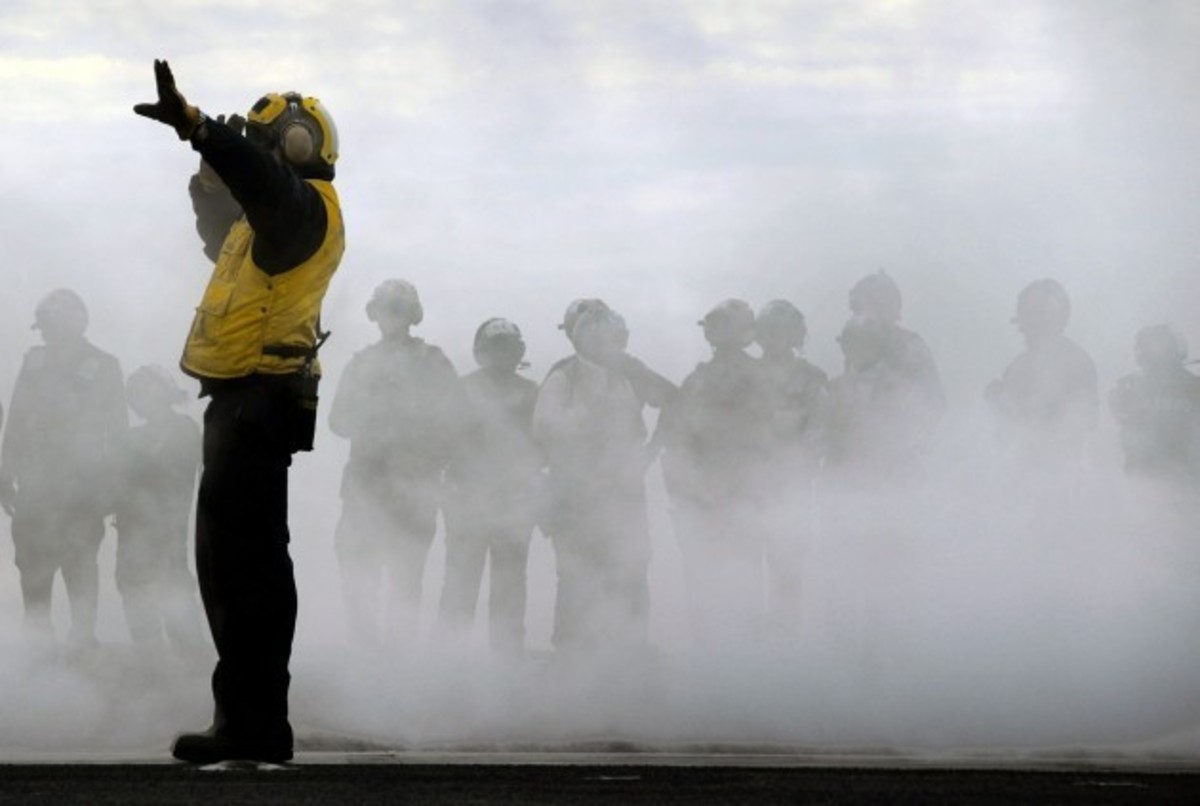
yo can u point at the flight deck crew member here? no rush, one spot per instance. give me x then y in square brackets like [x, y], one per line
[67, 427]
[492, 491]
[252, 345]
[397, 403]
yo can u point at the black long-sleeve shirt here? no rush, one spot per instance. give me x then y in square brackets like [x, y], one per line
[286, 213]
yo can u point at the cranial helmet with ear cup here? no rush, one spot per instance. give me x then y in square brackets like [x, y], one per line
[301, 127]
[499, 343]
[395, 298]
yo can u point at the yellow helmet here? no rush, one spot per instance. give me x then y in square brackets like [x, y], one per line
[300, 126]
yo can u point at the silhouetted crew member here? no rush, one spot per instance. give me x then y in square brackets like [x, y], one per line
[651, 388]
[715, 436]
[66, 428]
[252, 345]
[588, 420]
[158, 486]
[492, 487]
[397, 402]
[796, 397]
[877, 297]
[880, 417]
[1048, 398]
[1158, 410]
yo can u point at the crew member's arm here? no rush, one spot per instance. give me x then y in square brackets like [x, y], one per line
[110, 396]
[651, 388]
[347, 415]
[286, 213]
[451, 408]
[216, 211]
[1192, 437]
[15, 447]
[1082, 411]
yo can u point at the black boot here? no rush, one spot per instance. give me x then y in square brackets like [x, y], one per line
[212, 746]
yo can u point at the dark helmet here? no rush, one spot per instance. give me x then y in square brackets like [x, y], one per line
[729, 324]
[1160, 346]
[877, 296]
[1043, 305]
[61, 309]
[299, 126]
[782, 322]
[393, 299]
[498, 343]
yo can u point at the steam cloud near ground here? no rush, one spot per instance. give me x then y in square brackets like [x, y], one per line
[1057, 614]
[998, 612]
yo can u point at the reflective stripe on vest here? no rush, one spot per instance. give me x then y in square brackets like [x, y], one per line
[244, 308]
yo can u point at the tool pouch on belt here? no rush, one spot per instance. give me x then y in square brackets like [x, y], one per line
[302, 419]
[304, 413]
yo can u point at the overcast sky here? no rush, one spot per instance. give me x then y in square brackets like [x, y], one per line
[508, 156]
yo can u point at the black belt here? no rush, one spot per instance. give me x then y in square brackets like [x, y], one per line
[289, 351]
[308, 352]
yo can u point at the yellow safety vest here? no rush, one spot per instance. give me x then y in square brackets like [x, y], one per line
[244, 309]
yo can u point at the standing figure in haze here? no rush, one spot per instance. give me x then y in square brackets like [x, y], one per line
[880, 417]
[160, 466]
[268, 197]
[1158, 411]
[877, 430]
[492, 486]
[66, 428]
[398, 403]
[1048, 398]
[796, 393]
[715, 437]
[588, 421]
[877, 297]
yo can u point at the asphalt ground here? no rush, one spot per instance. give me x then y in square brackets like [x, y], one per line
[334, 779]
[99, 736]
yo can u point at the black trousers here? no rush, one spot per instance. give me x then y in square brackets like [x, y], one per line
[242, 560]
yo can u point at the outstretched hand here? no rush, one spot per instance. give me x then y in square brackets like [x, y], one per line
[171, 108]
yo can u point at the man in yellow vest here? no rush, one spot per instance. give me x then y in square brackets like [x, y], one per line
[268, 196]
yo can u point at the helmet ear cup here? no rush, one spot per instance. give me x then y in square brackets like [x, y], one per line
[298, 144]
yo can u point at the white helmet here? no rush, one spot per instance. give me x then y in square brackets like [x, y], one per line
[395, 298]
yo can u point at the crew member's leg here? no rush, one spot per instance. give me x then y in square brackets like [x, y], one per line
[412, 515]
[466, 553]
[82, 535]
[359, 541]
[176, 593]
[245, 574]
[36, 564]
[510, 556]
